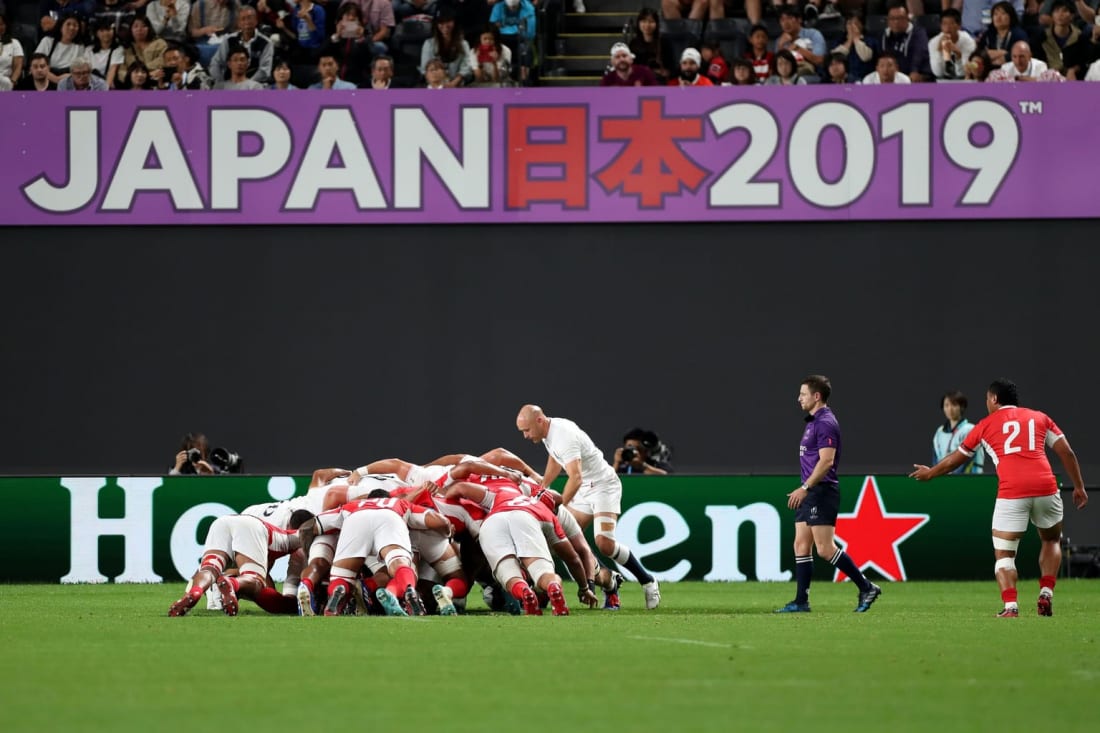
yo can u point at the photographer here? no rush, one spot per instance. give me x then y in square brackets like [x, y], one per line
[642, 452]
[196, 458]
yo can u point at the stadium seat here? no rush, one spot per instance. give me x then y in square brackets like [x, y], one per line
[26, 13]
[680, 34]
[727, 32]
[930, 23]
[875, 25]
[302, 75]
[408, 40]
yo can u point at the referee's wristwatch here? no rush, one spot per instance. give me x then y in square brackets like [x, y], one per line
[805, 488]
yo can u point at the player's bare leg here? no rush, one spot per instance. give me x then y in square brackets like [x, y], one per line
[542, 572]
[1004, 550]
[1050, 559]
[603, 530]
[510, 576]
[210, 569]
[454, 586]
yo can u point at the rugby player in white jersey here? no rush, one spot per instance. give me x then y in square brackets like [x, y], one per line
[593, 491]
[253, 545]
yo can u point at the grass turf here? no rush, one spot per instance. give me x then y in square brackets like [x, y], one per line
[929, 656]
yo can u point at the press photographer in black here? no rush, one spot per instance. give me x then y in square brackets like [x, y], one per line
[642, 452]
[196, 458]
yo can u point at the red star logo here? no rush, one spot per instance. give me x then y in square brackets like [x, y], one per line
[871, 536]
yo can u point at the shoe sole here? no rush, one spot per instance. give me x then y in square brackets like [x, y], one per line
[864, 607]
[180, 607]
[531, 603]
[654, 600]
[229, 596]
[389, 603]
[1045, 607]
[446, 608]
[557, 601]
[305, 602]
[415, 605]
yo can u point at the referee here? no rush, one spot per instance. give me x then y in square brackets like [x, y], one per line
[817, 501]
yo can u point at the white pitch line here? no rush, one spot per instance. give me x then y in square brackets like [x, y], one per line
[682, 641]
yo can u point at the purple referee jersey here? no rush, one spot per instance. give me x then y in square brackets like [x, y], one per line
[822, 431]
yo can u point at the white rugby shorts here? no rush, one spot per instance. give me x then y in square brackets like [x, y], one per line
[239, 534]
[602, 498]
[1012, 515]
[512, 533]
[366, 532]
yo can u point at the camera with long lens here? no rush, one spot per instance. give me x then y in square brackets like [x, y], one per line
[194, 455]
[225, 461]
[628, 453]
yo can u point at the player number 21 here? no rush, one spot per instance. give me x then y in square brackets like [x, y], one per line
[1012, 429]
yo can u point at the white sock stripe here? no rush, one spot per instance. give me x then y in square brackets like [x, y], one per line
[836, 556]
[807, 558]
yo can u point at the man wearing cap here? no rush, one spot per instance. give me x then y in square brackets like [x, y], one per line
[623, 71]
[690, 61]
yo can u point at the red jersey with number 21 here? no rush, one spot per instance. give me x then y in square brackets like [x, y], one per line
[1016, 439]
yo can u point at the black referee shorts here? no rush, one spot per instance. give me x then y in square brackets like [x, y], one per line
[821, 506]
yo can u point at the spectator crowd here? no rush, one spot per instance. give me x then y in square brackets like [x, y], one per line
[348, 44]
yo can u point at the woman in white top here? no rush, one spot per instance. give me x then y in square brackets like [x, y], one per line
[106, 54]
[63, 49]
[11, 54]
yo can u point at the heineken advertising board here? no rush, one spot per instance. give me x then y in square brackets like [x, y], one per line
[142, 529]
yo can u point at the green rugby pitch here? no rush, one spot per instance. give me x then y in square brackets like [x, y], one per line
[928, 657]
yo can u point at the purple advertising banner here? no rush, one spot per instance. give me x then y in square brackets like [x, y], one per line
[944, 151]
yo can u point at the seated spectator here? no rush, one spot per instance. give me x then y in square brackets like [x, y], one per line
[183, 69]
[858, 50]
[887, 71]
[786, 71]
[1077, 57]
[491, 60]
[106, 53]
[379, 20]
[351, 43]
[690, 61]
[435, 75]
[762, 60]
[138, 77]
[407, 8]
[624, 73]
[307, 23]
[81, 79]
[447, 45]
[806, 45]
[1085, 9]
[51, 12]
[949, 52]
[648, 48]
[1023, 67]
[5, 84]
[38, 80]
[717, 68]
[259, 47]
[676, 9]
[979, 66]
[1060, 35]
[329, 69]
[144, 47]
[63, 47]
[837, 70]
[238, 73]
[516, 20]
[209, 21]
[381, 73]
[280, 75]
[11, 54]
[116, 13]
[908, 43]
[742, 74]
[1002, 33]
[169, 18]
[275, 20]
[976, 14]
[642, 452]
[1093, 73]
